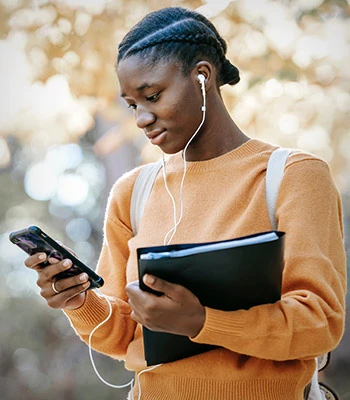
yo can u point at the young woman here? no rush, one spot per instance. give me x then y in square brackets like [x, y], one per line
[266, 352]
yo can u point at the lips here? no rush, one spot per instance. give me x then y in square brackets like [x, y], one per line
[156, 137]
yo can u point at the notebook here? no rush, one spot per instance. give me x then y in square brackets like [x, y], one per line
[226, 275]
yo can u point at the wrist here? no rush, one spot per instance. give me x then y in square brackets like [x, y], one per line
[199, 322]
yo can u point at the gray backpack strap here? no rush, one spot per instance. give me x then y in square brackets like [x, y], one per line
[141, 191]
[274, 175]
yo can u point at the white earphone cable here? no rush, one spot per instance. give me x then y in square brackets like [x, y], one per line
[173, 230]
[94, 365]
[171, 197]
[90, 348]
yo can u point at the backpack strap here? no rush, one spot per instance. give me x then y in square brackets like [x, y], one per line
[141, 191]
[274, 175]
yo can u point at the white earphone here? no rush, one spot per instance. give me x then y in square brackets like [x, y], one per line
[201, 79]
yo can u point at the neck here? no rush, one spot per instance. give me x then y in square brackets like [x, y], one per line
[219, 134]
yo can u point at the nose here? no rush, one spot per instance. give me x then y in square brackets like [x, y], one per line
[144, 117]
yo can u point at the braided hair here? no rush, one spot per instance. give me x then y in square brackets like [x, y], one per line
[180, 35]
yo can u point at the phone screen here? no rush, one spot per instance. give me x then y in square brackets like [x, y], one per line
[31, 243]
[33, 240]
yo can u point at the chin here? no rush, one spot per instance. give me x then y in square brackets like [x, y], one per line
[170, 152]
[171, 149]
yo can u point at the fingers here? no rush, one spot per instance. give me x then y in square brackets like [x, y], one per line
[54, 268]
[136, 295]
[35, 260]
[139, 300]
[62, 285]
[170, 290]
[176, 311]
[63, 298]
[67, 293]
[66, 288]
[147, 308]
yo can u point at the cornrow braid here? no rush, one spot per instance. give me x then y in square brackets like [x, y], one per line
[177, 34]
[158, 38]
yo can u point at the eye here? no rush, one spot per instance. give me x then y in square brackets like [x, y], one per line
[154, 97]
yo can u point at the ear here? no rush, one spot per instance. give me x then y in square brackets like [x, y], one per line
[206, 69]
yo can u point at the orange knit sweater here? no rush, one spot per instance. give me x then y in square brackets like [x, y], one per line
[267, 352]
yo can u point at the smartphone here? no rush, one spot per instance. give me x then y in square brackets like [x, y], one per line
[33, 240]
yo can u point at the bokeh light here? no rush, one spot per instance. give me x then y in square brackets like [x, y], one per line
[40, 182]
[78, 229]
[72, 190]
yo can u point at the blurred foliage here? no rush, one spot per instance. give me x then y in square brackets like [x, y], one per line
[65, 137]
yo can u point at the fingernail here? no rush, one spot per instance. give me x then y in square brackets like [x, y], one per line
[67, 263]
[42, 256]
[149, 279]
[83, 277]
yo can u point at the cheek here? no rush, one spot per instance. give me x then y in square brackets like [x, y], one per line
[175, 113]
[184, 112]
[183, 101]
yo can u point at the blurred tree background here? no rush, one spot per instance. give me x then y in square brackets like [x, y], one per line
[65, 137]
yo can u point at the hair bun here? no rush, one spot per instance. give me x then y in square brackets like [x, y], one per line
[229, 73]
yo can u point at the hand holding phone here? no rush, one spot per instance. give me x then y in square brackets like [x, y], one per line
[33, 240]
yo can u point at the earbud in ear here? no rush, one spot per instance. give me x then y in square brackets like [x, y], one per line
[201, 79]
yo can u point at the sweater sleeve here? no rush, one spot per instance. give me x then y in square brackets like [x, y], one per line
[309, 319]
[114, 336]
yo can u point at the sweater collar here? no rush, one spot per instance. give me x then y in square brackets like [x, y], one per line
[175, 162]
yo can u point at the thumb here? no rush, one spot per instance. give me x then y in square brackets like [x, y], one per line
[160, 285]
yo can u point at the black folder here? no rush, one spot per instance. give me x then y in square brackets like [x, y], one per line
[228, 279]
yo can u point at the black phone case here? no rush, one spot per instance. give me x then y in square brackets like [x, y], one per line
[33, 240]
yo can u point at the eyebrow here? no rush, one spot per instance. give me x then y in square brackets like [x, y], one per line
[140, 88]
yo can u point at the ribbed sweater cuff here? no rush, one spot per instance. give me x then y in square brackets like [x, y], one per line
[219, 323]
[92, 312]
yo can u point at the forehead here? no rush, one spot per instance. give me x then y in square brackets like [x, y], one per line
[135, 70]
